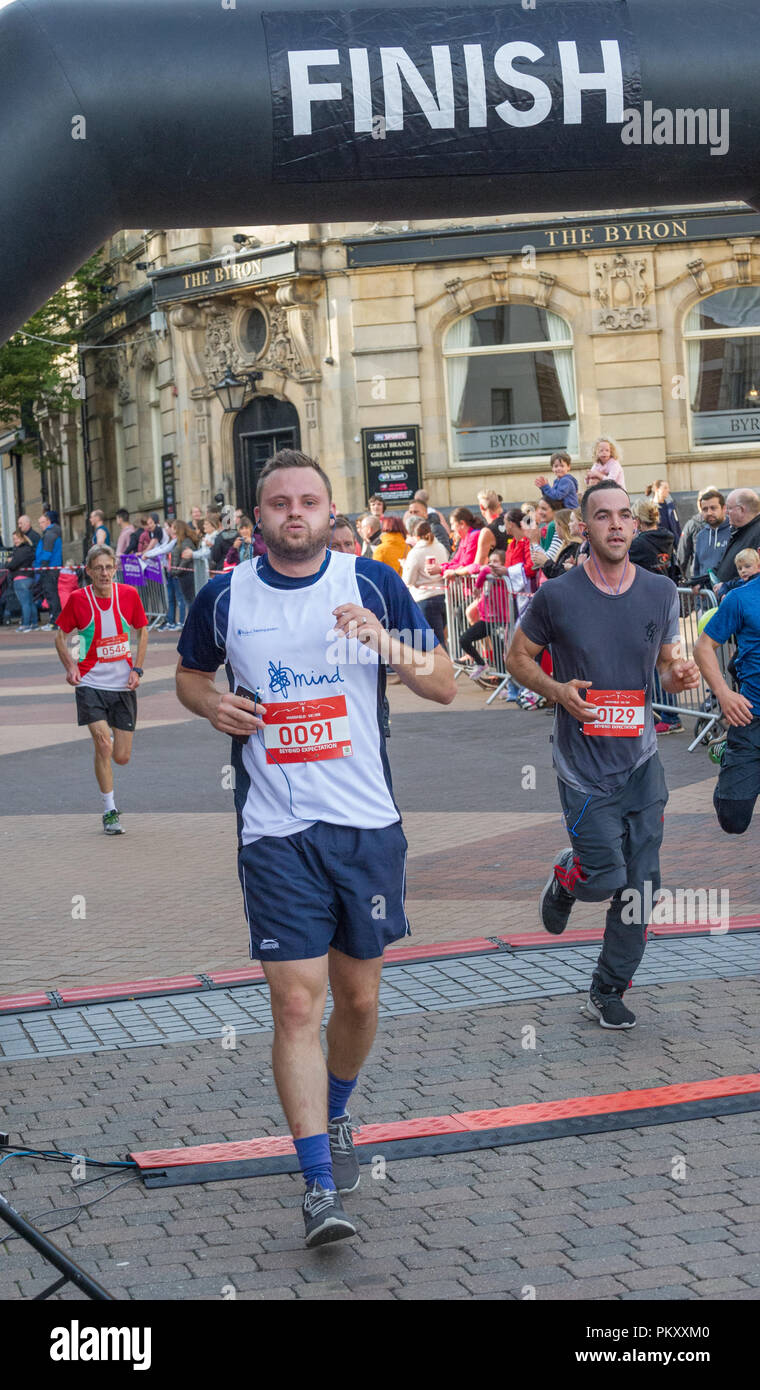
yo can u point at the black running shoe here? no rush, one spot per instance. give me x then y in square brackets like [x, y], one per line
[555, 903]
[345, 1160]
[608, 1009]
[324, 1217]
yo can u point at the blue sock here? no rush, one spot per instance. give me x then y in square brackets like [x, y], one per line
[337, 1095]
[314, 1158]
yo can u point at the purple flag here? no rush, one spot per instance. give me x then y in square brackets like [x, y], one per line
[153, 569]
[132, 570]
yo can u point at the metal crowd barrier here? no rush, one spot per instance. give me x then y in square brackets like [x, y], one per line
[153, 596]
[200, 569]
[492, 648]
[698, 704]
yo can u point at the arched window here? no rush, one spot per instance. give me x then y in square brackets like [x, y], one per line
[510, 384]
[722, 338]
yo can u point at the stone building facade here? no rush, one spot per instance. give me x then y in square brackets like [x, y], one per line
[489, 344]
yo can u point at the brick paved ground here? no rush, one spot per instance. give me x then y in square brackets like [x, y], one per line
[165, 897]
[598, 1217]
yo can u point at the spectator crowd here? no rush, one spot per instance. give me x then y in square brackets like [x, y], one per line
[472, 572]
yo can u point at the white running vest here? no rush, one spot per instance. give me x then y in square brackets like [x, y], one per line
[319, 758]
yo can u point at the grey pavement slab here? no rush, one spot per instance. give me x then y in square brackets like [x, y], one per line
[472, 983]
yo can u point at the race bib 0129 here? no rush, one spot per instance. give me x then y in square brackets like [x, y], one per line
[620, 713]
[302, 731]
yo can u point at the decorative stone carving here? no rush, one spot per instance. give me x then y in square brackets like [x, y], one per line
[622, 289]
[190, 321]
[544, 285]
[742, 258]
[500, 282]
[144, 356]
[186, 316]
[220, 352]
[111, 373]
[700, 275]
[291, 332]
[460, 295]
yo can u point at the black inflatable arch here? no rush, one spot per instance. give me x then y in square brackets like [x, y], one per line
[217, 112]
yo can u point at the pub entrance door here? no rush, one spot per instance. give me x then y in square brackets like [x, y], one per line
[266, 425]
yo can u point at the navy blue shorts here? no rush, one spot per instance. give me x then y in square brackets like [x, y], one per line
[329, 885]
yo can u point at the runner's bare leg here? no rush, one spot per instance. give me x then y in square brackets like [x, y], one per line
[122, 745]
[298, 991]
[101, 737]
[352, 1024]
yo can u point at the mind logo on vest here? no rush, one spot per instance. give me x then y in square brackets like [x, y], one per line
[281, 678]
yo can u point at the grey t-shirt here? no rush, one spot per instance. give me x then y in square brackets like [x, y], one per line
[612, 641]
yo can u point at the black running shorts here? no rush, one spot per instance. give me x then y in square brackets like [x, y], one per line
[117, 707]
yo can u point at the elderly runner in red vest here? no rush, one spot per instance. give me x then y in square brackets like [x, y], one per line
[103, 673]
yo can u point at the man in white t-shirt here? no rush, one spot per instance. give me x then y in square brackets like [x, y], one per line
[305, 634]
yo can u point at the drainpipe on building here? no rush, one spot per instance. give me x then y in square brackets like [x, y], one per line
[85, 434]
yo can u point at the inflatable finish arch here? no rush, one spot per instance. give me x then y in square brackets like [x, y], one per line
[216, 112]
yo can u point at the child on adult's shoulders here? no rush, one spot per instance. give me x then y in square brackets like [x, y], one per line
[605, 463]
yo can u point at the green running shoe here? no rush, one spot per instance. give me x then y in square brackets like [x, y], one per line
[717, 750]
[111, 823]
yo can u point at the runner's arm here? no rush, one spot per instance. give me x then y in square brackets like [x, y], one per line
[676, 674]
[486, 543]
[68, 662]
[432, 680]
[736, 708]
[523, 667]
[230, 714]
[142, 647]
[414, 671]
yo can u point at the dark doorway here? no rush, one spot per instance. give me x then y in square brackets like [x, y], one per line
[266, 425]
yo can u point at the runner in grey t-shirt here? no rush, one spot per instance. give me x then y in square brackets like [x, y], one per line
[608, 624]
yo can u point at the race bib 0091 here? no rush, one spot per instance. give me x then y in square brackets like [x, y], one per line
[301, 731]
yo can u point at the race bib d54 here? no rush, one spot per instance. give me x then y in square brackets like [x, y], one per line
[620, 713]
[302, 731]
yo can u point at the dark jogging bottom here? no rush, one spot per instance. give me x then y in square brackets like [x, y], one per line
[617, 840]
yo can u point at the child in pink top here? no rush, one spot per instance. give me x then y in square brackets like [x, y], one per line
[606, 465]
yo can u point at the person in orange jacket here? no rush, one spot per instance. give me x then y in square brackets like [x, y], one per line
[393, 546]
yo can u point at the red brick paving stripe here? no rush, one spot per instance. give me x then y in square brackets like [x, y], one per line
[700, 928]
[545, 938]
[476, 945]
[505, 1117]
[396, 955]
[128, 989]
[568, 938]
[251, 973]
[16, 1003]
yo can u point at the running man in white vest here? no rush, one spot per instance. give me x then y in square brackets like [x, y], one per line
[105, 678]
[322, 856]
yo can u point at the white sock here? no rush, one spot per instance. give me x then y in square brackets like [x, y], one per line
[108, 802]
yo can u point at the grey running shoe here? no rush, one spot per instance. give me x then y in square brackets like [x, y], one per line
[112, 824]
[324, 1217]
[608, 1009]
[556, 903]
[345, 1160]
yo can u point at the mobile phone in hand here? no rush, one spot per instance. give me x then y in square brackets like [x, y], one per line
[246, 695]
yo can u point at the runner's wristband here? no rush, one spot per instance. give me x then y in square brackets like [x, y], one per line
[138, 670]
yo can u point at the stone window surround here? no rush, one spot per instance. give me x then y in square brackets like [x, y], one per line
[722, 449]
[517, 463]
